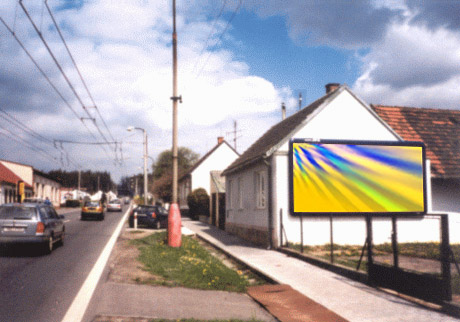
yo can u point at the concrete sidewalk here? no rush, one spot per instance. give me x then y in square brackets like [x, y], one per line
[352, 300]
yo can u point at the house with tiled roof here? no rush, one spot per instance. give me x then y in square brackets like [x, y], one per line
[37, 183]
[8, 185]
[439, 129]
[257, 187]
[203, 173]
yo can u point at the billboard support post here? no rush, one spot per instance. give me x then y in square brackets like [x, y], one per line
[394, 241]
[301, 234]
[331, 232]
[445, 256]
[369, 241]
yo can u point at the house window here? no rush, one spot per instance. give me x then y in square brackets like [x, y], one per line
[240, 194]
[230, 193]
[260, 185]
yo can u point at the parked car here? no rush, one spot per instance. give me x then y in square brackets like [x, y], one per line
[31, 223]
[92, 209]
[114, 205]
[151, 216]
[33, 200]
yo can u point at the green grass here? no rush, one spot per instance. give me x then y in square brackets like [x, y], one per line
[190, 265]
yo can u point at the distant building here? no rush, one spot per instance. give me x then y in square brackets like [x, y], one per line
[199, 175]
[37, 183]
[8, 185]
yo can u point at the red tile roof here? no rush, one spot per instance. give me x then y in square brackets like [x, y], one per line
[439, 129]
[6, 175]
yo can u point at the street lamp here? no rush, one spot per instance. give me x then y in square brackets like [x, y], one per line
[132, 128]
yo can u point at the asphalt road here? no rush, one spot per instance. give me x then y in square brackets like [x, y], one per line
[36, 287]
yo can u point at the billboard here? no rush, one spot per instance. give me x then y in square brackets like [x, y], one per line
[357, 177]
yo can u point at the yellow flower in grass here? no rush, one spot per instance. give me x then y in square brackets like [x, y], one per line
[239, 272]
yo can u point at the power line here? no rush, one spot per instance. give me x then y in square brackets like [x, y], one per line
[76, 67]
[240, 2]
[210, 34]
[46, 76]
[61, 70]
[11, 119]
[26, 144]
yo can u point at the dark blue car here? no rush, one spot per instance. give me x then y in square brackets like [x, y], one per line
[151, 216]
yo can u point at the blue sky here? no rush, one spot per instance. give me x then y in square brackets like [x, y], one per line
[395, 52]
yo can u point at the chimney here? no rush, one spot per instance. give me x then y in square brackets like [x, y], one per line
[283, 111]
[220, 139]
[331, 87]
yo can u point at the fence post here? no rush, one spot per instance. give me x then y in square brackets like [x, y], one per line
[445, 257]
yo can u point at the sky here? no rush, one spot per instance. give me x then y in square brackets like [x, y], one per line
[238, 61]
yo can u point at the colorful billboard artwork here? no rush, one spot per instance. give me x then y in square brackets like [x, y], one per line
[352, 177]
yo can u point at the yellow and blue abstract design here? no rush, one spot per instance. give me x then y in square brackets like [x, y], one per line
[356, 178]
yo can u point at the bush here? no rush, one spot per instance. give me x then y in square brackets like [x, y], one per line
[198, 203]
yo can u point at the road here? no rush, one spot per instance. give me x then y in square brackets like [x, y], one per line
[35, 287]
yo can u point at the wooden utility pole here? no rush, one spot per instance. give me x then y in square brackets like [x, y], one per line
[174, 217]
[174, 98]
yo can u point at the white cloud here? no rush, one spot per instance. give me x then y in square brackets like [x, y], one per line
[123, 50]
[413, 66]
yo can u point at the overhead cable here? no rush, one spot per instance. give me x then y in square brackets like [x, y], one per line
[76, 67]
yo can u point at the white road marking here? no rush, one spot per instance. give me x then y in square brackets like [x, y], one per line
[68, 220]
[80, 303]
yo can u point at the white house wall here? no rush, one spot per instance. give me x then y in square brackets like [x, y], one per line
[344, 118]
[220, 159]
[24, 172]
[248, 220]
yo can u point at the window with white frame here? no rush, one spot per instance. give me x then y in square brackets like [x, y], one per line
[261, 188]
[230, 193]
[240, 194]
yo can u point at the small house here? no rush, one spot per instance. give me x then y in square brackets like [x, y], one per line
[257, 188]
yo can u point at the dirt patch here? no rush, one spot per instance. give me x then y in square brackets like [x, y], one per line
[123, 263]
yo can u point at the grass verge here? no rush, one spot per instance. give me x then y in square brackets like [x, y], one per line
[190, 265]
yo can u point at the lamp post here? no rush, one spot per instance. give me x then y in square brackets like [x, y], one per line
[132, 128]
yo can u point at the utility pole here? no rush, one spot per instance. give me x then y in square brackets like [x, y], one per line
[174, 217]
[145, 168]
[79, 184]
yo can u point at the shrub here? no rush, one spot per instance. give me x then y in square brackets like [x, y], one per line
[198, 203]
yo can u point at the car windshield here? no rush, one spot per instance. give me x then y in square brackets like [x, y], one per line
[144, 209]
[92, 204]
[17, 212]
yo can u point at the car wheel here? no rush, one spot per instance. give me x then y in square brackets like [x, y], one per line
[101, 217]
[48, 245]
[61, 240]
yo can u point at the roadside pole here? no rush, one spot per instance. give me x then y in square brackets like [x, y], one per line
[174, 217]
